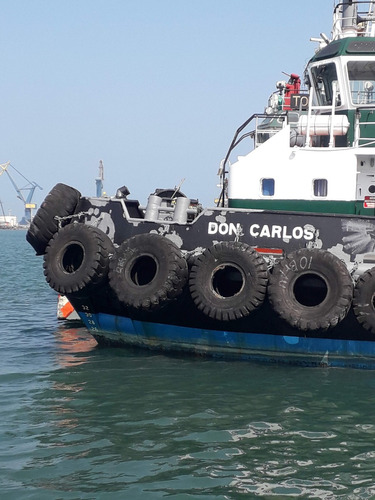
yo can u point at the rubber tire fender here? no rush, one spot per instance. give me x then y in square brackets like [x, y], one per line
[364, 300]
[228, 281]
[311, 289]
[148, 271]
[77, 258]
[61, 201]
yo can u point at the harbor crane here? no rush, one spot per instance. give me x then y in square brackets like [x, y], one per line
[99, 180]
[29, 188]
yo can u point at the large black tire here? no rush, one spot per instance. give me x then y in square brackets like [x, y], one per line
[364, 300]
[148, 271]
[77, 258]
[311, 289]
[61, 201]
[228, 281]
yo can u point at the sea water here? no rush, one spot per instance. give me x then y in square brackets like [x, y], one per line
[82, 422]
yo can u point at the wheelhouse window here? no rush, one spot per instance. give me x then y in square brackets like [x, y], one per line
[268, 187]
[362, 81]
[320, 187]
[323, 78]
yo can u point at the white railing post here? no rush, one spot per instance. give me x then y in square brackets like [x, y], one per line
[309, 111]
[334, 93]
[357, 130]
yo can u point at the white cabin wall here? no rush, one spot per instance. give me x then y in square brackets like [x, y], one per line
[294, 170]
[365, 175]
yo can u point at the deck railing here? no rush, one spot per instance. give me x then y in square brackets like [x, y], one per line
[359, 139]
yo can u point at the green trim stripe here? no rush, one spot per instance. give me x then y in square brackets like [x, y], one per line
[313, 206]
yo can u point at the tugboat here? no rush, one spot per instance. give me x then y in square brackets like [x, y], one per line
[282, 269]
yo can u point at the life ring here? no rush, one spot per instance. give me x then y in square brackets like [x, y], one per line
[147, 271]
[311, 289]
[77, 258]
[228, 281]
[61, 201]
[364, 300]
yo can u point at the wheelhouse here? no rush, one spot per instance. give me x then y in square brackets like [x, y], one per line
[314, 148]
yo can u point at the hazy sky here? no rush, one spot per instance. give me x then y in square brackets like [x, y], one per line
[154, 88]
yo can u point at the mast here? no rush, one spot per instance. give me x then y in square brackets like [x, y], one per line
[349, 18]
[353, 18]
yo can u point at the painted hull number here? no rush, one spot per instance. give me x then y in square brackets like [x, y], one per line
[303, 264]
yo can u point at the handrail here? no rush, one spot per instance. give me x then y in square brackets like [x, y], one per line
[357, 127]
[235, 142]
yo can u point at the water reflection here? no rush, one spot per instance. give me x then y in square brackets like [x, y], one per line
[73, 345]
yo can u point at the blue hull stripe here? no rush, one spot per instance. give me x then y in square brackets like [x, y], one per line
[265, 347]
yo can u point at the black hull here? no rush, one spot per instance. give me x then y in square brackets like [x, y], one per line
[276, 236]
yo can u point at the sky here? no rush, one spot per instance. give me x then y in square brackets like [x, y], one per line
[154, 88]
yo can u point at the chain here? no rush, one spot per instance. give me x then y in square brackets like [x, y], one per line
[60, 220]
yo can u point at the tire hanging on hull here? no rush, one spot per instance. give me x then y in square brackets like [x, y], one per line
[148, 271]
[77, 258]
[311, 289]
[61, 201]
[228, 281]
[364, 300]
